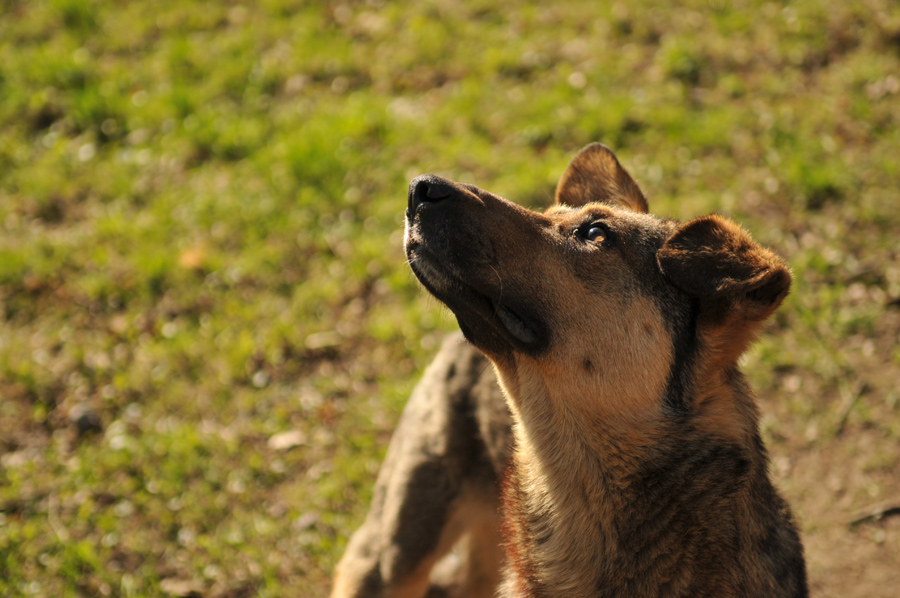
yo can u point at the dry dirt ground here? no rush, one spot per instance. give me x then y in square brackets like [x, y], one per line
[845, 490]
[842, 475]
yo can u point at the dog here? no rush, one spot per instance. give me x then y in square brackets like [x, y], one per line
[595, 437]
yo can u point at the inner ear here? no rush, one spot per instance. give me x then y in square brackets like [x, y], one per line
[595, 175]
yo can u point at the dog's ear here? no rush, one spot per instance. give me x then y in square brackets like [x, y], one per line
[596, 175]
[715, 260]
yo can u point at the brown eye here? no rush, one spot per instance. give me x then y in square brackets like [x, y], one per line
[597, 234]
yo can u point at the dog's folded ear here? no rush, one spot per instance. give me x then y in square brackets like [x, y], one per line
[596, 175]
[714, 259]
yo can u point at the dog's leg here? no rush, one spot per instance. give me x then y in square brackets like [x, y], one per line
[431, 490]
[382, 560]
[472, 570]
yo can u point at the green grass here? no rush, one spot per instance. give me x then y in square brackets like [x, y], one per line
[200, 244]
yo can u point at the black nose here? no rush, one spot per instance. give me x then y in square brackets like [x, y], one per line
[428, 189]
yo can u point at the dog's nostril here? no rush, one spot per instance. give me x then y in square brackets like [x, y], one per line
[438, 190]
[428, 189]
[420, 192]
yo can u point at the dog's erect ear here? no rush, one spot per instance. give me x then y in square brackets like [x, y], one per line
[596, 175]
[713, 258]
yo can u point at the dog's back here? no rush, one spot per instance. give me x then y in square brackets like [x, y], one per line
[437, 489]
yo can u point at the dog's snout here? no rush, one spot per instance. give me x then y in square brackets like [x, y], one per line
[428, 189]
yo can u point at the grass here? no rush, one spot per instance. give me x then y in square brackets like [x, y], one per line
[207, 329]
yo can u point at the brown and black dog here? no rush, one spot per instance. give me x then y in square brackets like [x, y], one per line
[632, 463]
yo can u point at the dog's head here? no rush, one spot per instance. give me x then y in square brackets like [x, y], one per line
[595, 295]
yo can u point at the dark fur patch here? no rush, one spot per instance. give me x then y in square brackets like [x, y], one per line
[684, 337]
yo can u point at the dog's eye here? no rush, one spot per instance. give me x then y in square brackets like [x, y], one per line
[596, 232]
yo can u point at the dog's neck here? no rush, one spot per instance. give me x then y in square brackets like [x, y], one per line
[589, 498]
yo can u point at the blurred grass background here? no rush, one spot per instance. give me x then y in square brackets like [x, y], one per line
[207, 329]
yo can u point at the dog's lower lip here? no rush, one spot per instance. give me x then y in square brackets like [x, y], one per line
[515, 325]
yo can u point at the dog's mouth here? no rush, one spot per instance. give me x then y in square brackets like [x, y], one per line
[516, 326]
[483, 313]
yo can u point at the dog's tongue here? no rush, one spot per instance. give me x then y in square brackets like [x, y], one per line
[515, 325]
